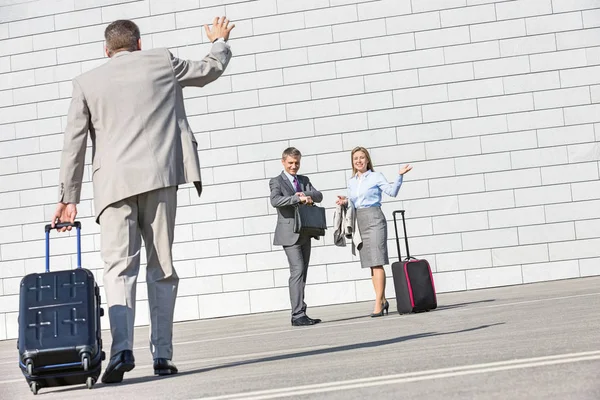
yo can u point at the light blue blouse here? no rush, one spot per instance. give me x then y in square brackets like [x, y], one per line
[365, 191]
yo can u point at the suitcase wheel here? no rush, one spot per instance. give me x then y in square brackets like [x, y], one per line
[29, 365]
[89, 382]
[34, 386]
[85, 361]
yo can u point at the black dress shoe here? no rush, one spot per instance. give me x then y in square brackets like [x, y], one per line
[315, 320]
[119, 364]
[303, 321]
[164, 366]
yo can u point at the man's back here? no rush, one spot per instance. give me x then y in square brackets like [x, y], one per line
[133, 107]
[132, 103]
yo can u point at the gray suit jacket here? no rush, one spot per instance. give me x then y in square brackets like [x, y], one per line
[344, 222]
[133, 109]
[283, 198]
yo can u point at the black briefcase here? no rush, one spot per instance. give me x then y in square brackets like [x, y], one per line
[59, 325]
[310, 219]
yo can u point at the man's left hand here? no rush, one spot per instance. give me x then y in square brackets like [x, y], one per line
[65, 212]
[220, 29]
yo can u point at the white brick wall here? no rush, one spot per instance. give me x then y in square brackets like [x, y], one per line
[495, 102]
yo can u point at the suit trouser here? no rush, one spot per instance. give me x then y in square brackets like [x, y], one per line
[298, 256]
[149, 215]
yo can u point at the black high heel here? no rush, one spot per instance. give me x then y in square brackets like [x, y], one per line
[385, 310]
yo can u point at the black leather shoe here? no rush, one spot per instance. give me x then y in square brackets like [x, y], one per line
[119, 364]
[163, 366]
[303, 321]
[315, 320]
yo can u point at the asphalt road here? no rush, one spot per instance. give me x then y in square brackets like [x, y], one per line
[539, 341]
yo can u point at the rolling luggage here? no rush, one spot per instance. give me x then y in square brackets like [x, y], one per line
[59, 325]
[413, 281]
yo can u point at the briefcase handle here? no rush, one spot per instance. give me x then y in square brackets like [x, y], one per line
[306, 205]
[49, 227]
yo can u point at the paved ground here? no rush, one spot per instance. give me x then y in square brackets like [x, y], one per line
[537, 341]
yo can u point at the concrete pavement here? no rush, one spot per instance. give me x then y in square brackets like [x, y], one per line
[538, 341]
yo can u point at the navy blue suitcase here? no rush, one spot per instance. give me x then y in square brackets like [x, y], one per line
[59, 325]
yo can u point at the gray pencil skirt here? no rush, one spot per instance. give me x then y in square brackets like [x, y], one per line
[373, 231]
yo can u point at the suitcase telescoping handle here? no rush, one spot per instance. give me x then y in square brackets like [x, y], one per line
[408, 257]
[48, 228]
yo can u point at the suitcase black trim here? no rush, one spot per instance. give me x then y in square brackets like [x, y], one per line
[405, 299]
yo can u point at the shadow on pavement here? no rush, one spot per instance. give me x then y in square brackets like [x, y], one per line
[439, 308]
[458, 305]
[309, 353]
[330, 321]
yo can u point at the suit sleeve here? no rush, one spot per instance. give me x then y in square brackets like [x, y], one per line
[277, 198]
[203, 72]
[74, 147]
[312, 192]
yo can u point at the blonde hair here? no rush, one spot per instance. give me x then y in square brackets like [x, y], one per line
[367, 155]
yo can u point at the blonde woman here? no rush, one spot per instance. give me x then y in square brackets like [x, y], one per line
[365, 190]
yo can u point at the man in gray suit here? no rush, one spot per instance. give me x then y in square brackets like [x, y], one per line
[289, 189]
[142, 149]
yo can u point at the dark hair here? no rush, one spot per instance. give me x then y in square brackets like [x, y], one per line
[121, 35]
[291, 151]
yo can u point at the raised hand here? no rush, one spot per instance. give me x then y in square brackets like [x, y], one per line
[405, 169]
[220, 29]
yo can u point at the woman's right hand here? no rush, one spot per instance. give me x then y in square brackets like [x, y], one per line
[341, 200]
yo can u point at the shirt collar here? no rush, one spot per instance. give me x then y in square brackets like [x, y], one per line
[366, 174]
[121, 53]
[289, 176]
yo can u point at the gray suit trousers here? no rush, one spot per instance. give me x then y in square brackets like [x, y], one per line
[150, 215]
[298, 256]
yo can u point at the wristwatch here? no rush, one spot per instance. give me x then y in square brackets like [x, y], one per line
[219, 40]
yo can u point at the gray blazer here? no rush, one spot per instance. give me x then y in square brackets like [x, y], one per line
[283, 198]
[132, 106]
[344, 222]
